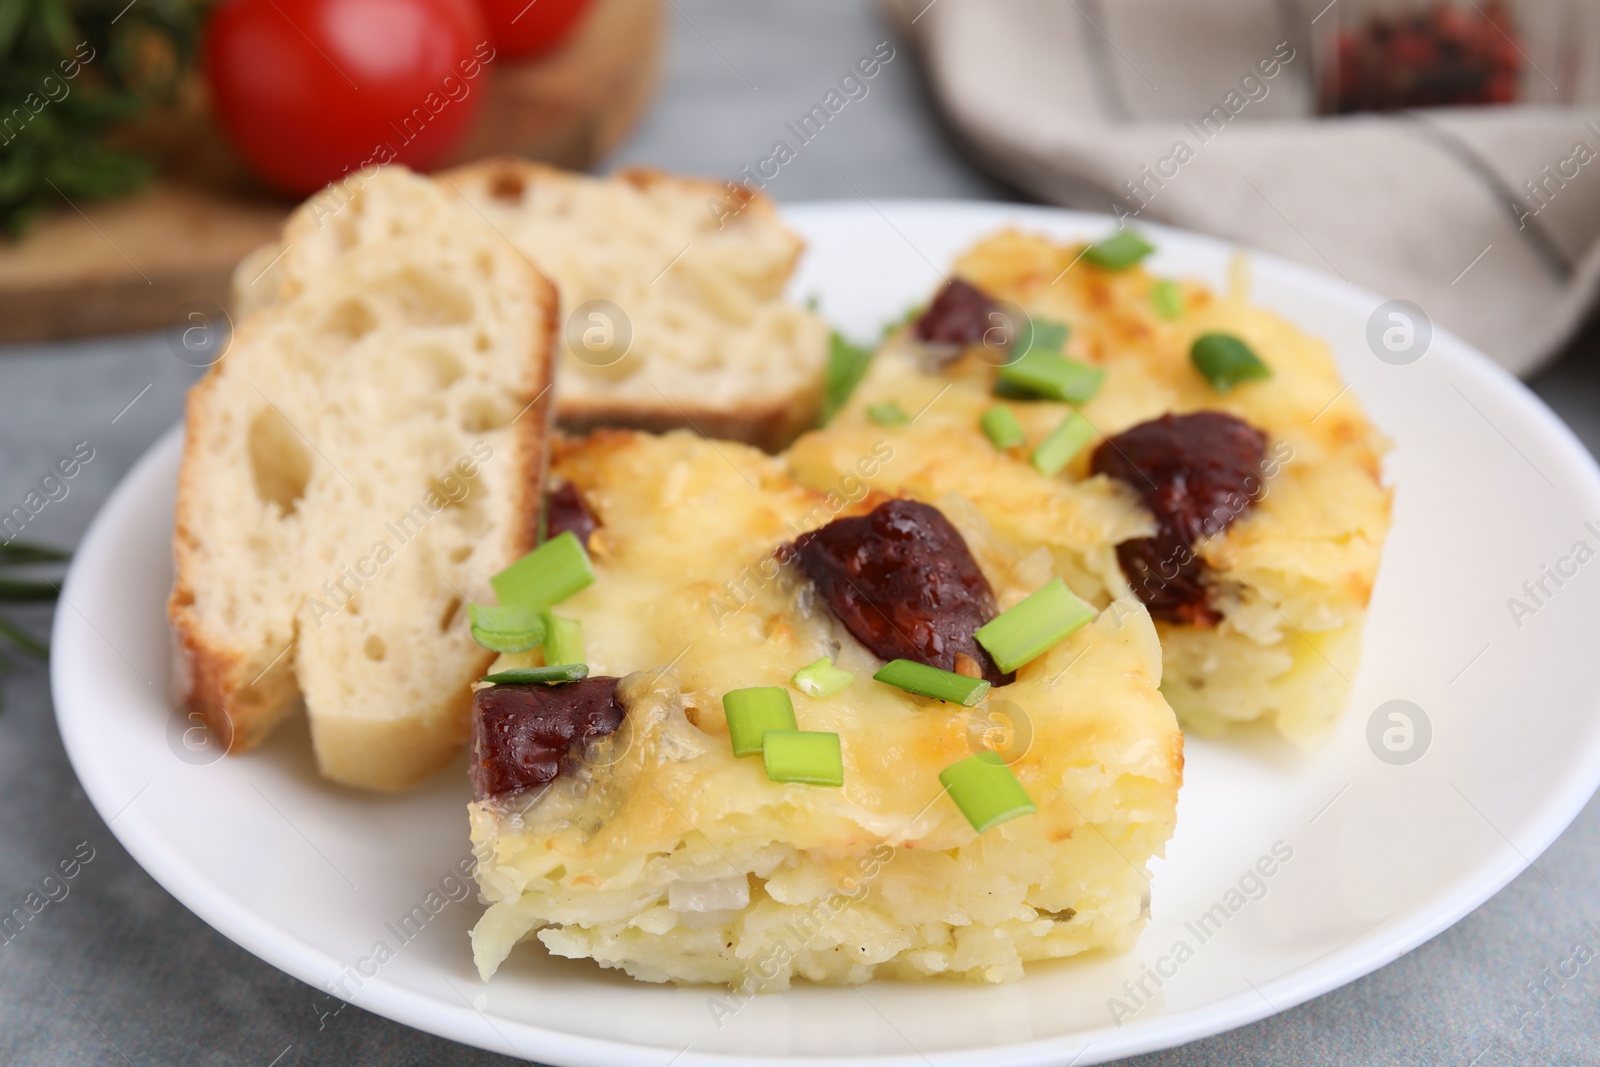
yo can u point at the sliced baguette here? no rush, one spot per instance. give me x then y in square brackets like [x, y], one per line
[369, 451]
[698, 269]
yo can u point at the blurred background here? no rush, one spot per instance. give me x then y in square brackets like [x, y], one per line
[1446, 153]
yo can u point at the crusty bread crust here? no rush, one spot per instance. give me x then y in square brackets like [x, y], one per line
[393, 756]
[240, 706]
[769, 424]
[243, 692]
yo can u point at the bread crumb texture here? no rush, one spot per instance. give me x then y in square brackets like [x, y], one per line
[367, 453]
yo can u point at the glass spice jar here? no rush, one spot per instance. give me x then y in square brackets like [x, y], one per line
[1388, 55]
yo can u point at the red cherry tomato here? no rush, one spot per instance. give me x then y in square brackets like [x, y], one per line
[527, 27]
[309, 89]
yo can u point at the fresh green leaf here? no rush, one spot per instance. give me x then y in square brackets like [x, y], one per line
[12, 14]
[847, 365]
[60, 149]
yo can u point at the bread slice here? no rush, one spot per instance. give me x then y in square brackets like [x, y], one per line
[370, 450]
[697, 269]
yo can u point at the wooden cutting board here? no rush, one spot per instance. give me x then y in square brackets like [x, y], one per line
[142, 262]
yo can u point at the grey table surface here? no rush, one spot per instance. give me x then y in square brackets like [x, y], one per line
[119, 972]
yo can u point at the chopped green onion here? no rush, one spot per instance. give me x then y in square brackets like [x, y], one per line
[563, 640]
[513, 629]
[821, 679]
[1052, 377]
[847, 365]
[928, 681]
[566, 672]
[986, 790]
[1034, 626]
[547, 575]
[1001, 427]
[1167, 298]
[1064, 442]
[1225, 361]
[1041, 335]
[1119, 251]
[752, 712]
[807, 756]
[888, 414]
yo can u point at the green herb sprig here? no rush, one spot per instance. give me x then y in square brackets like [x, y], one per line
[70, 72]
[24, 590]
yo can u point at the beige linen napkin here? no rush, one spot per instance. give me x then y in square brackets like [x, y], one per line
[1200, 113]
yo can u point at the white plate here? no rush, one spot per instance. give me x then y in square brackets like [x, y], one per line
[1491, 486]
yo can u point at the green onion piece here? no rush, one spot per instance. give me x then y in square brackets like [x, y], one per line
[888, 414]
[1064, 442]
[1033, 627]
[1052, 377]
[752, 712]
[1119, 251]
[513, 629]
[1225, 361]
[803, 756]
[821, 679]
[563, 640]
[986, 790]
[847, 365]
[1001, 427]
[928, 681]
[1167, 298]
[1042, 335]
[566, 672]
[547, 575]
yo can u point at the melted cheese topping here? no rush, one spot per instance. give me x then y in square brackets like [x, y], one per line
[1292, 575]
[690, 596]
